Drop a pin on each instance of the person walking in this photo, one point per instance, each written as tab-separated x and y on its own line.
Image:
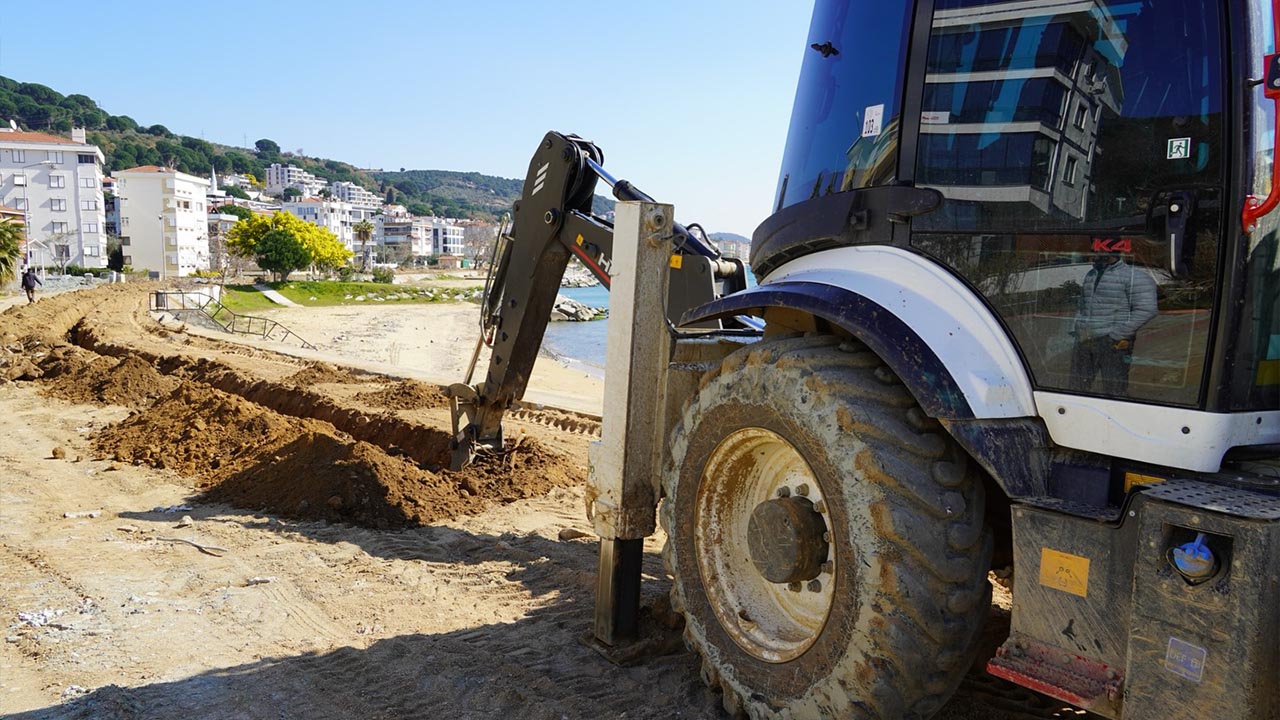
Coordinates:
29	283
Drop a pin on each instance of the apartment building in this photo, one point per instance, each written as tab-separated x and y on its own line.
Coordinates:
56	182
163	220
446	236
281	177
356	195
335	216
423	236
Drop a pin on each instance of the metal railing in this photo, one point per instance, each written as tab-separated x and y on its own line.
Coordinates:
179	301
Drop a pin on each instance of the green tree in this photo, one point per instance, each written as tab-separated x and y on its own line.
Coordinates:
267	147
240	212
281	252
115	254
159	131
324	250
291	193
10	250
234	191
364	232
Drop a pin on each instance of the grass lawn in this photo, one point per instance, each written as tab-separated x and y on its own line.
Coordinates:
317	293
245	300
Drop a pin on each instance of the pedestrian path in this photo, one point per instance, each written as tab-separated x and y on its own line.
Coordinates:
275	297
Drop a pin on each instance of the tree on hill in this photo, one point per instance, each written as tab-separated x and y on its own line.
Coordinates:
234	191
267	147
292	193
239	212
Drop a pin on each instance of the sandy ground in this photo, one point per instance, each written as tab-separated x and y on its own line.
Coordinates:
110	610
430	342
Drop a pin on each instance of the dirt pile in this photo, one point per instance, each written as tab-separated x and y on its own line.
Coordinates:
318	373
406	395
245	455
81	376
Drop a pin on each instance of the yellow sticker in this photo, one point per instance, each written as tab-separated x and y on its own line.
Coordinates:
677	261
1065	572
579	240
1132	479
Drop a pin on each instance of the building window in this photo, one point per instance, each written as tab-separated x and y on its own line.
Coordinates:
1069	174
91	250
124	222
58	205
88	182
86	159
59	227
127	259
88	204
1081	114
90	227
54	156
20	204
124	241
19	155
57	181
19	179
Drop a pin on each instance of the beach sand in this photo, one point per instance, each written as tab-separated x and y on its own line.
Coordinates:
429	342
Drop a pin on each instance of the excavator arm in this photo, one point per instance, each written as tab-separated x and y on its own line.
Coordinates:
552	222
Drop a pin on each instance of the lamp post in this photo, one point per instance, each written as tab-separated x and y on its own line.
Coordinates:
26	209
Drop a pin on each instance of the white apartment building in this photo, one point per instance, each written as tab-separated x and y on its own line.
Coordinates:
356	195
424	236
57	183
446	237
335	216
281	177
163	220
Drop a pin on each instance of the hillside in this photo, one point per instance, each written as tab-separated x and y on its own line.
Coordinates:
127	143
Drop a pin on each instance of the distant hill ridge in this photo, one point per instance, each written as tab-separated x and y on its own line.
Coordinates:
126	143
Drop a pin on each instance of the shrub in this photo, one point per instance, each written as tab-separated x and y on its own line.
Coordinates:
346	272
384	275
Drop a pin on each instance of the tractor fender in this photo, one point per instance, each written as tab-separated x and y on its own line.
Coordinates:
929	327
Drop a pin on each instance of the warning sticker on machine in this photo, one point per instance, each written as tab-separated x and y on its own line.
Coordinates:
1185	660
1064	571
873	121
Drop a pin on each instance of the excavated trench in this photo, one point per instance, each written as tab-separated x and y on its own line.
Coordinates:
282	446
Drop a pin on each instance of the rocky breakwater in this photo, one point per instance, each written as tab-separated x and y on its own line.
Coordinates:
566	309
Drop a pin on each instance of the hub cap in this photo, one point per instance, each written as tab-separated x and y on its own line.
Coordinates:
761	537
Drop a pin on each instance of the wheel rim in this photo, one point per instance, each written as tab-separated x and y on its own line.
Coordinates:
774	622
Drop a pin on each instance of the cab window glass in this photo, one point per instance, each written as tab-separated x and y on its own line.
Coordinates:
1079	149
844	124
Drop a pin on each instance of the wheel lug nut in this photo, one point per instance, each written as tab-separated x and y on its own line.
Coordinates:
820	506
793	587
784	491
826	537
802	490
815	586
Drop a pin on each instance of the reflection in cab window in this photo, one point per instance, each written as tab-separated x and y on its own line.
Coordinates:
1079	149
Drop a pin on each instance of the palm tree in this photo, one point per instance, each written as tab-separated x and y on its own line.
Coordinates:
10	250
363	231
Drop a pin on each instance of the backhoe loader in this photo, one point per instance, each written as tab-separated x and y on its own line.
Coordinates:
1018	304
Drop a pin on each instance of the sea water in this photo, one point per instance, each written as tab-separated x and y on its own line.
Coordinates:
581	344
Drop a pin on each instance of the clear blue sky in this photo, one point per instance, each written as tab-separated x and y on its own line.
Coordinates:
690	100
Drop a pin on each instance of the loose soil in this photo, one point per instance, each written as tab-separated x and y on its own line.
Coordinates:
344	571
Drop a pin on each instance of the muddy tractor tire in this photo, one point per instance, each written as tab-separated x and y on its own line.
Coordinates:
826	538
